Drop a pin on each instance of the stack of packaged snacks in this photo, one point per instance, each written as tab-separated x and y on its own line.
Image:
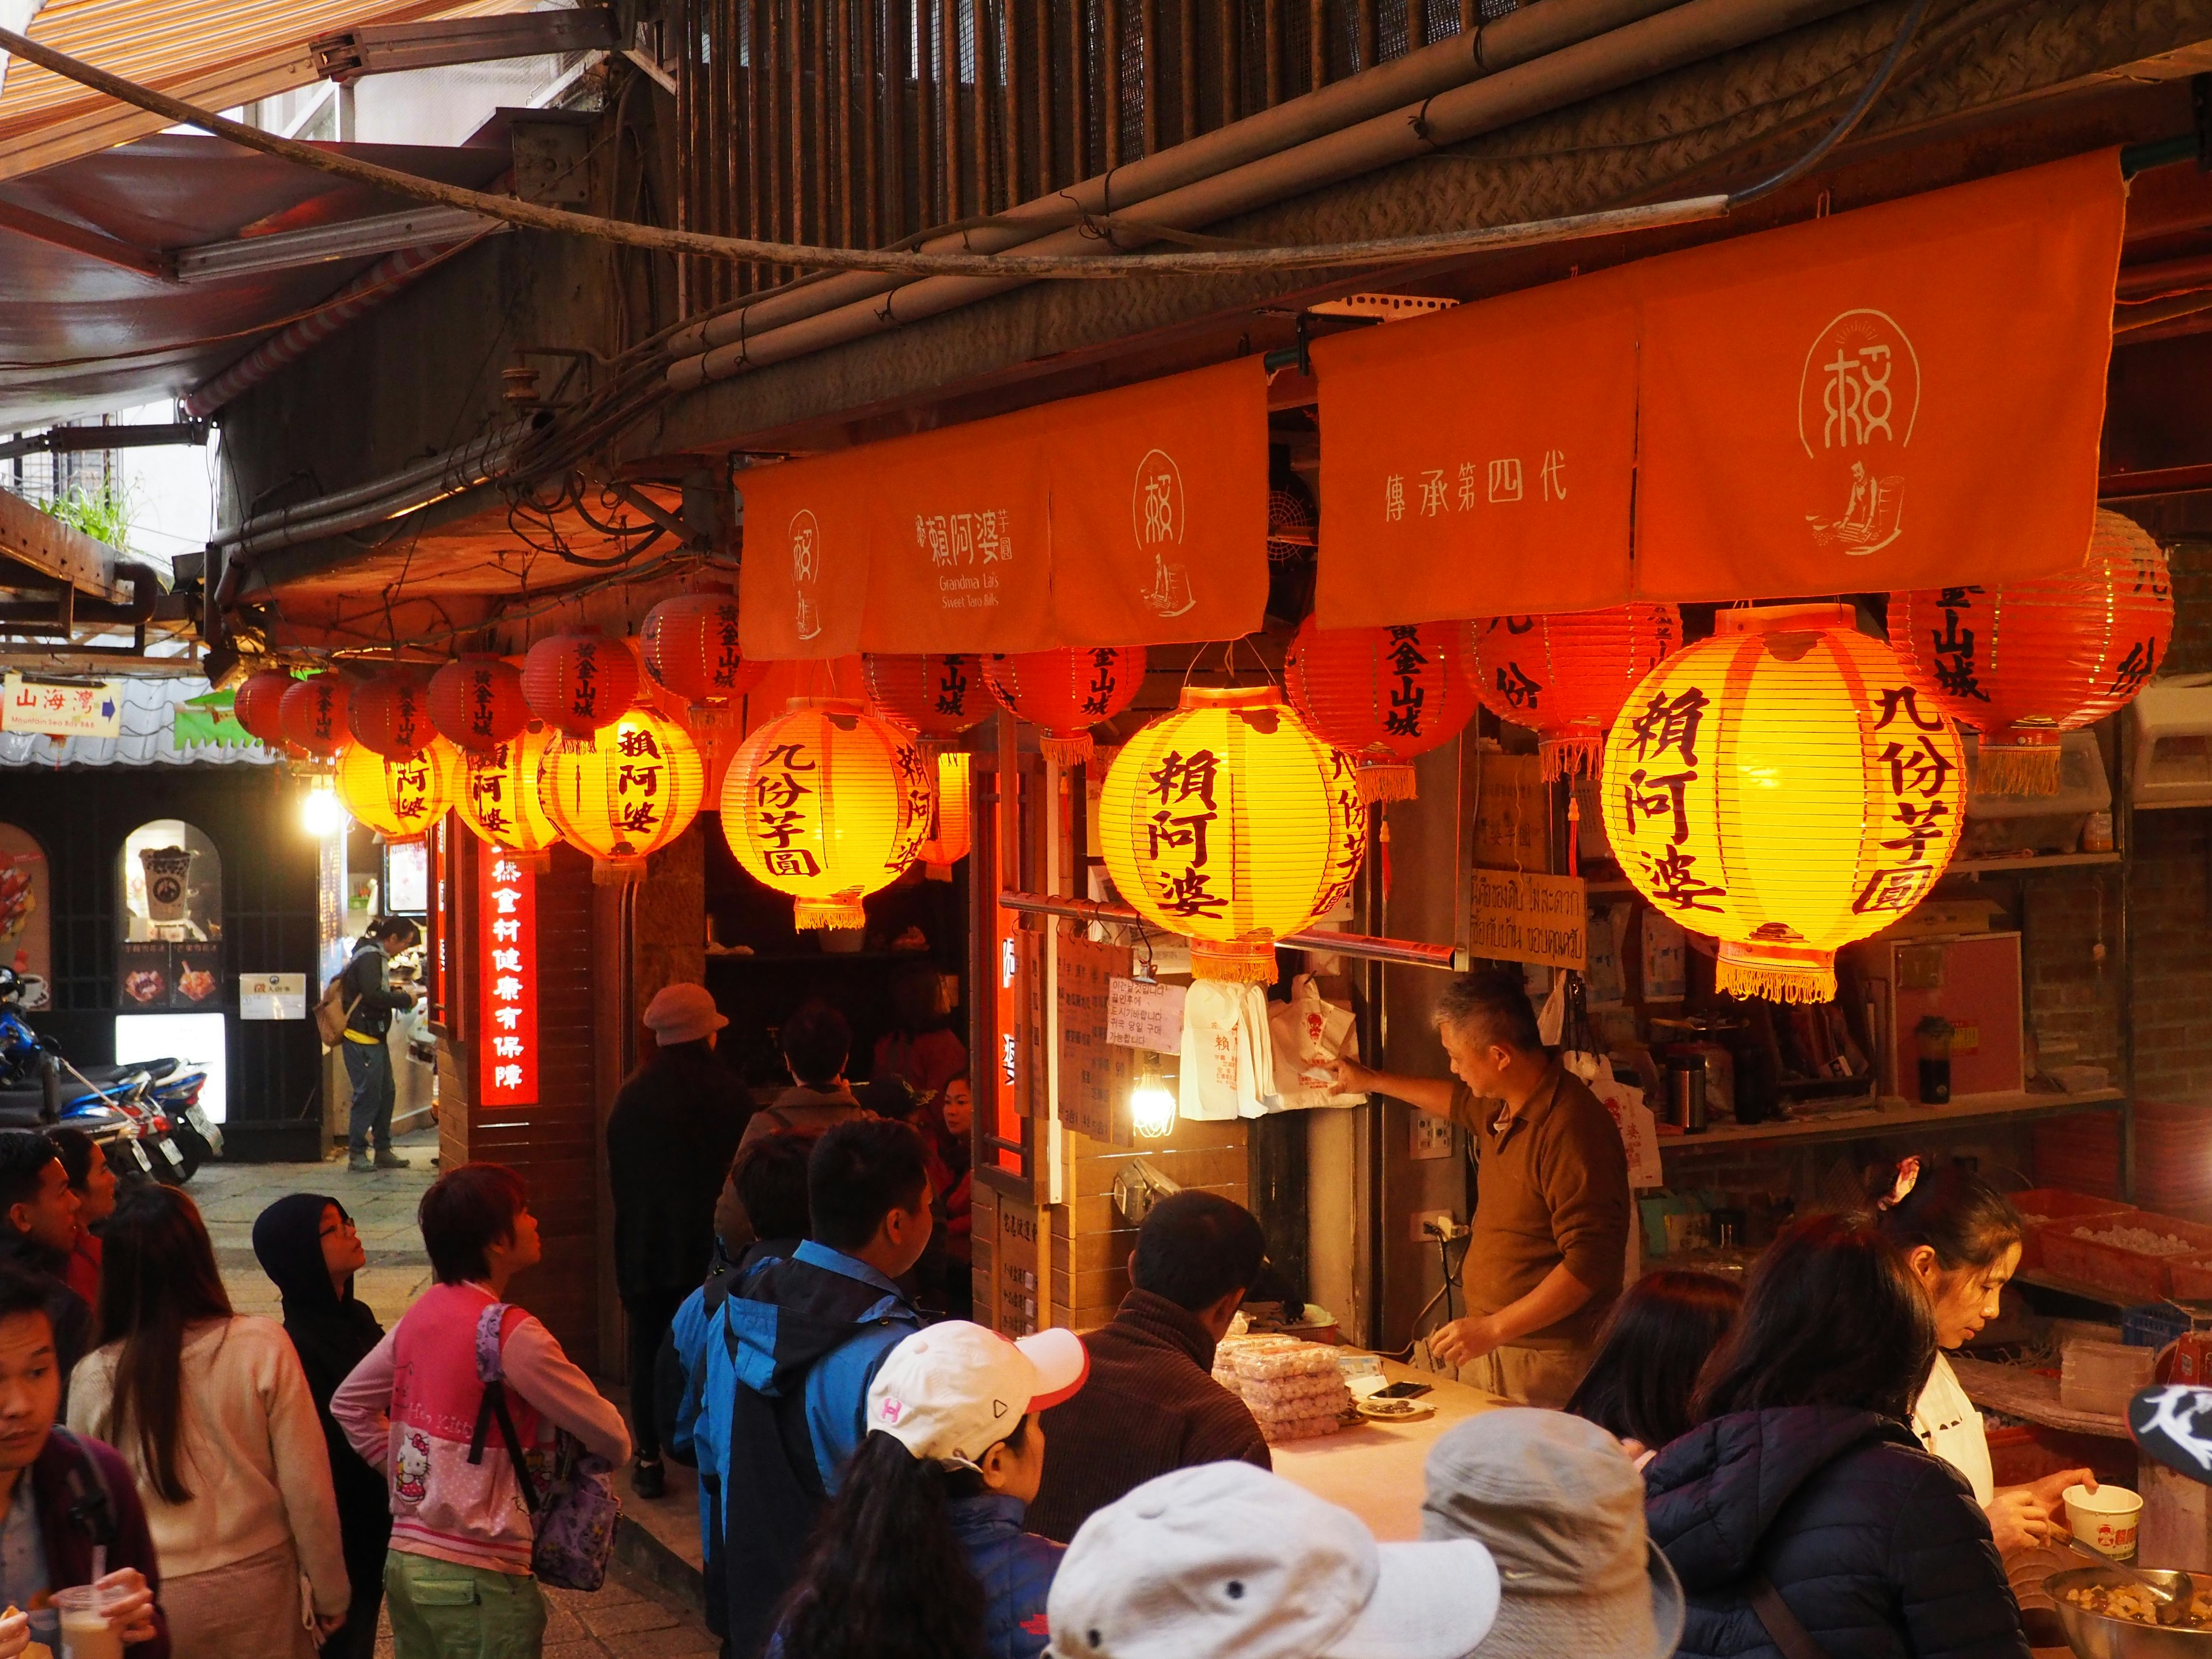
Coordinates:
1225	1352
1294	1393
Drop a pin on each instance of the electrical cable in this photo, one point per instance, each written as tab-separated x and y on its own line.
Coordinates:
1850	120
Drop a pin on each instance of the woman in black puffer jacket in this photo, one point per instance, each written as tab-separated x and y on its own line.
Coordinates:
1801	1473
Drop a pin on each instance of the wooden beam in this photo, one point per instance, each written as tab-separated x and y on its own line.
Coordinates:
57	551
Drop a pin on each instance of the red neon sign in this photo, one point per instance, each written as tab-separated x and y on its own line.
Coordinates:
507	980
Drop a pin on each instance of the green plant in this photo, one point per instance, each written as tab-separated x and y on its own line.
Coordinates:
103	513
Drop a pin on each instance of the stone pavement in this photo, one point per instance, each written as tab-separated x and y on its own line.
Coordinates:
630	1617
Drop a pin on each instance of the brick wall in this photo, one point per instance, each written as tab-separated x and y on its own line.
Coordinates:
2172	956
2071	996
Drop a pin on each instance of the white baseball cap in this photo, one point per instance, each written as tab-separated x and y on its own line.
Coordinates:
1226	1559
955	1390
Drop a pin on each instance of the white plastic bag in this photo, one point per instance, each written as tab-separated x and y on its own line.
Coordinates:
1228	1068
1310	1031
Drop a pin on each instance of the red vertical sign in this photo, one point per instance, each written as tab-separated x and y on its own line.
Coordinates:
506	980
440	921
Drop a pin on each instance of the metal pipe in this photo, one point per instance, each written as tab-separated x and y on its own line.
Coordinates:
1410	953
1518	38
1657	43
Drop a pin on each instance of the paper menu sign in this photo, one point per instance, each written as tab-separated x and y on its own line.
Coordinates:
1141	1015
272	996
1639	1131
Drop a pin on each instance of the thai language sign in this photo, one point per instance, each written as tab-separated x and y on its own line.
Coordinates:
1517	917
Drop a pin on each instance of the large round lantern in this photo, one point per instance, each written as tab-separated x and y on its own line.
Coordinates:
1067	691
1383	695
2027	661
258	706
1787	786
1230	823
938	695
390	714
634	788
690	648
579	684
827	803
399	797
953	826
477	703
498	794
1565	676
312	715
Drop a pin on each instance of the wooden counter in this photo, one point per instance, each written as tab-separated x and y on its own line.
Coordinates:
1375	1470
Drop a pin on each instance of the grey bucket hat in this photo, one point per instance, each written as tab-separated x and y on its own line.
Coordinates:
1560	1507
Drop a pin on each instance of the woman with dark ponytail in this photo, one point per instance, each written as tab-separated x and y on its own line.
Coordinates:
1961	1238
922	1554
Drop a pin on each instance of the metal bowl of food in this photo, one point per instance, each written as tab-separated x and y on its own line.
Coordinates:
2107	1615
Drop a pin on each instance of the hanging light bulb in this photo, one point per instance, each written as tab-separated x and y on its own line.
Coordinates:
1152	1107
321	813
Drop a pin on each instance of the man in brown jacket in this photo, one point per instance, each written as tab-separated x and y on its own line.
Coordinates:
1150	1405
1551	1217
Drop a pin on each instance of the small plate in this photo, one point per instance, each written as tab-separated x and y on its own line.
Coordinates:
1396	1411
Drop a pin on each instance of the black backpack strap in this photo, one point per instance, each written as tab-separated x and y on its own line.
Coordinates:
1782	1627
91	1506
494	1407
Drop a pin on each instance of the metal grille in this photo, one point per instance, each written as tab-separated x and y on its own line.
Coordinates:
867	123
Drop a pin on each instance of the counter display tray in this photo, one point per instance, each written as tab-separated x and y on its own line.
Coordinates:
2032	1396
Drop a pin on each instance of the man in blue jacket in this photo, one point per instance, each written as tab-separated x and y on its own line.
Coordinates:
695	1383
803	1337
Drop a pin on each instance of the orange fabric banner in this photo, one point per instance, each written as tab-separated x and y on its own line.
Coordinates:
1479	462
1159	510
1902	396
1134	517
803	582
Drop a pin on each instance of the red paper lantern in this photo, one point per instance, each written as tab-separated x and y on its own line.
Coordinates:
1566	677
476	703
390	715
938	695
580	684
1383	695
690	645
1067	691
952	827
312	715
2025	662
259	705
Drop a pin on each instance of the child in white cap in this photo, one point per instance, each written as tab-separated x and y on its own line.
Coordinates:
922	1550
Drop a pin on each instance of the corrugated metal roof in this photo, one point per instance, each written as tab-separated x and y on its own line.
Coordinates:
220	53
148	737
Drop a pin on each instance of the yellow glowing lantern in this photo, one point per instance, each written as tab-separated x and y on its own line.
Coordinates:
1231	823
828	803
625	792
1787	786
398	796
498	795
952	829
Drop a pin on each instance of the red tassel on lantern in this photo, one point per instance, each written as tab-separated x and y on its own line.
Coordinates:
312	713
476	703
2027	661
1067	691
580	684
938	695
390	715
1566	677
1382	695
258	706
689	645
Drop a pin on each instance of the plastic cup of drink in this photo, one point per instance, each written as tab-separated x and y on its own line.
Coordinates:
85	1632
2105	1519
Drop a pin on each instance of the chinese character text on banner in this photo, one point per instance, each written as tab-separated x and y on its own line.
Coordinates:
507	977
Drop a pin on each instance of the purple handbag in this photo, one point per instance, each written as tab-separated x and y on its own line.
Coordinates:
576	1512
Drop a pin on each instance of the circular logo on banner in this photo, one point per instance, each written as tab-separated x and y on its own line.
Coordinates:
1858	395
1157	515
805	570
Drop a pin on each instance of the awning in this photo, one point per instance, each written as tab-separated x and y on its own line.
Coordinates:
1136	517
218	54
1903	395
82	332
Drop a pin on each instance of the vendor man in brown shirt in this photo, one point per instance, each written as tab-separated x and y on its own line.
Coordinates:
1551	1215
